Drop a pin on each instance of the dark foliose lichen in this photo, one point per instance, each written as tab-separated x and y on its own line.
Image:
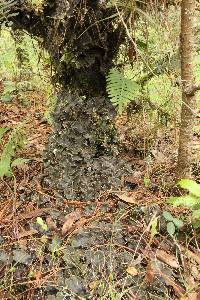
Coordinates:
81	159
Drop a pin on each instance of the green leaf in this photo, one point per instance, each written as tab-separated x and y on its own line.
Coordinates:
5	169
196	128
19	161
178	223
171	228
196	214
9	87
120	89
6	98
42	223
185	201
196	224
168	216
147	182
191	186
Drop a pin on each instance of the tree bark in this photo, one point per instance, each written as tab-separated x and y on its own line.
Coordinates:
188	90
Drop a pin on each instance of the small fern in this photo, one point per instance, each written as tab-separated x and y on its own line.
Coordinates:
121	90
16	141
191	200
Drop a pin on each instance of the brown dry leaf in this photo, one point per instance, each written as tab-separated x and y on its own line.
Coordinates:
195	272
191	254
80	223
94	284
179	290
168	259
132	296
127	198
191	296
132	270
190	282
149	274
36	213
192	287
136	178
51	224
70	219
27	233
22	244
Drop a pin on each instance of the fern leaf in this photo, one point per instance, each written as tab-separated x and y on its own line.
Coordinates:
5	169
121	90
16	141
19	162
186	201
191	186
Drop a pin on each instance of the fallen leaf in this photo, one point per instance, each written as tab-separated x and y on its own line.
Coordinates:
179	290
51	224
149	274
132	271
168	259
27	233
136	178
23	244
71	218
191	296
93	285
191	254
36	213
195	272
20	256
127	198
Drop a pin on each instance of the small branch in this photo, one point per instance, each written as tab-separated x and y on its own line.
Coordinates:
191	89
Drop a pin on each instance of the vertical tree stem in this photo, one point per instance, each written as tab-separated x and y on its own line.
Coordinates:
188	98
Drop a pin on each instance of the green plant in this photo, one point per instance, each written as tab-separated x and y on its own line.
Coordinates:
121	90
50	107
16	141
55	247
153	228
9	89
5	6
172	223
147	181
42	223
190	200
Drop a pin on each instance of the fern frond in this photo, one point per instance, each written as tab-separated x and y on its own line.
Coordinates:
121	90
17	141
188	201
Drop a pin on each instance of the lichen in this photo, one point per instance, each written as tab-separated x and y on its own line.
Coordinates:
81	159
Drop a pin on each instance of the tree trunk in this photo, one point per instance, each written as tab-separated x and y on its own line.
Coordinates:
81	159
188	90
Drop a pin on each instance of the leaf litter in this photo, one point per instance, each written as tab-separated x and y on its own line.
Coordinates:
87	247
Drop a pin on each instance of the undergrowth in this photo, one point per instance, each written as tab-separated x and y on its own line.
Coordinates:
16	141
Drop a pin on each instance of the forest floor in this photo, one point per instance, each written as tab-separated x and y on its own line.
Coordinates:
114	247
